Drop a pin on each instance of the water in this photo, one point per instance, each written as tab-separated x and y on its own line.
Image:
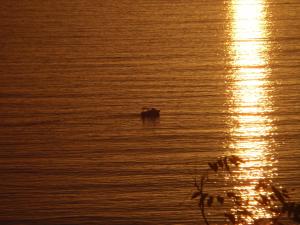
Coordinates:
75	75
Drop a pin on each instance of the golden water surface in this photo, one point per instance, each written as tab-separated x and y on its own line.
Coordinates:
75	74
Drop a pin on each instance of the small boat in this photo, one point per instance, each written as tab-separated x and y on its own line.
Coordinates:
151	113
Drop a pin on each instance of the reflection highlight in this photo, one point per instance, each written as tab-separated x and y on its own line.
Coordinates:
251	101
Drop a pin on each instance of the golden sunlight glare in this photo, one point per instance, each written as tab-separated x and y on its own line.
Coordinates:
250	99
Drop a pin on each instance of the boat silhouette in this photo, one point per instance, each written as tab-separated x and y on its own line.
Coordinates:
151	113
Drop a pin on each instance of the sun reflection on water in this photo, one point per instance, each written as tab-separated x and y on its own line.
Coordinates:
251	101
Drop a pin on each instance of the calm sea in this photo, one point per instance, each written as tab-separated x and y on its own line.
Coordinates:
74	76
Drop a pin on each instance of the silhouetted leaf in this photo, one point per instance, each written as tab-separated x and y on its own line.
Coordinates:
220	163
264	199
246	213
258	221
296	217
289	208
276	222
231	194
210	201
213	166
235	160
258	200
220	199
231	217
278	194
196	194
285	195
276	210
238	202
261	184
273	197
226	164
290	212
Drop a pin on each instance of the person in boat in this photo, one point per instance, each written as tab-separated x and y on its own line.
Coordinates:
150	113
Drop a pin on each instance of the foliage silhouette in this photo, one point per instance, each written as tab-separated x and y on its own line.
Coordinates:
275	201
